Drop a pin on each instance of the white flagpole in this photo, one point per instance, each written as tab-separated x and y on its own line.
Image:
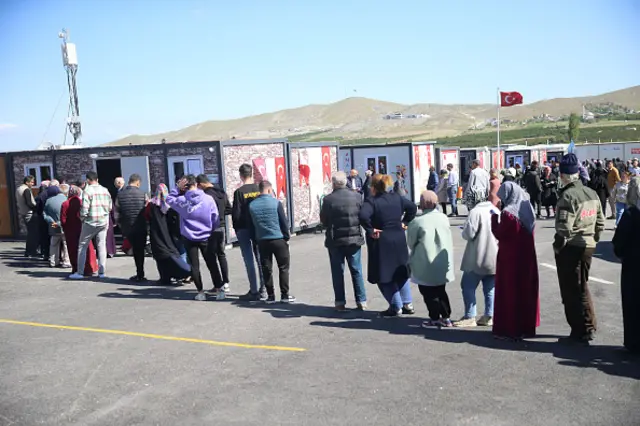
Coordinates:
498	105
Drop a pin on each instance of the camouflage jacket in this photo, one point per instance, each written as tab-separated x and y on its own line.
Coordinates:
579	217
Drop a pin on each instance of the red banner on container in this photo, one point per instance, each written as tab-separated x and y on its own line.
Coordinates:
326	164
281	181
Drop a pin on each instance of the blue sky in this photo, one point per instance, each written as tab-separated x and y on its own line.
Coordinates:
151	66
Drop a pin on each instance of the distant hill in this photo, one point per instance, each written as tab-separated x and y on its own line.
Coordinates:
363	119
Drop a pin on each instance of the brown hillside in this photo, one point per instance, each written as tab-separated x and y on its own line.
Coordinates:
355	118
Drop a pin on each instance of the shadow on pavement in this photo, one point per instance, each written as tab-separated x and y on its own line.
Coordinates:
612	360
604	251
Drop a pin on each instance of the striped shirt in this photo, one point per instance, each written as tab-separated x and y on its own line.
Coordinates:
96	205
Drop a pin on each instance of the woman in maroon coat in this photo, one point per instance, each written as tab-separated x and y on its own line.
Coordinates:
517	305
72	226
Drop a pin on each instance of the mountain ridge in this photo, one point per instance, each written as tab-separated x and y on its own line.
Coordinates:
358	118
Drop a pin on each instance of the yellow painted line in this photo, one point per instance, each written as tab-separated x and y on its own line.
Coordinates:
155	336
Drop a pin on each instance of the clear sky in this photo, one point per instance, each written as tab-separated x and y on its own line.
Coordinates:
150	66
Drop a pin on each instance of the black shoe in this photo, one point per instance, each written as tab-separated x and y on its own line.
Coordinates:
287	298
574	341
408	309
271	299
250	297
138	279
390	313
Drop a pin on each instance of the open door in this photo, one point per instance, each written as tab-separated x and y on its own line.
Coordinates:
5	209
139	165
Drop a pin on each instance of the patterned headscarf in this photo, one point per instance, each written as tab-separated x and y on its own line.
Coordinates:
160	199
45	184
516	202
75	191
54	182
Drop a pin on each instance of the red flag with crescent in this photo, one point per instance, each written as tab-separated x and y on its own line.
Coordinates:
429	153
416	156
303	169
326	164
508	99
280	178
259	170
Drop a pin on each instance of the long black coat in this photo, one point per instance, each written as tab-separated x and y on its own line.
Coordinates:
626	247
162	243
387	255
549	190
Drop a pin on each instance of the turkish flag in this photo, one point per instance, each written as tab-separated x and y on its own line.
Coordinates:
326	164
508	99
259	170
416	156
281	181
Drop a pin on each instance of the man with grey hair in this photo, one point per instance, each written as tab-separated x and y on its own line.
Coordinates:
477	189
579	224
119	183
344	240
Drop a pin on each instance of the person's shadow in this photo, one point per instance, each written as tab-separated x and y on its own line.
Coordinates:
604	251
612	360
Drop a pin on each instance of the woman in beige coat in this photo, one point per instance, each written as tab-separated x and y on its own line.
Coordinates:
441	190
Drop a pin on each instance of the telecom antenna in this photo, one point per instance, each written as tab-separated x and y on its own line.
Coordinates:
70	62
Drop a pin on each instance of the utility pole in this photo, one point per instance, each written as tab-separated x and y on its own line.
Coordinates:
70	62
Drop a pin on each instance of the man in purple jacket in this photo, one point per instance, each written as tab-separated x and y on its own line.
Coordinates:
198	218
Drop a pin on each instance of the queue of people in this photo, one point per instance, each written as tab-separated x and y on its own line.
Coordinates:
404	247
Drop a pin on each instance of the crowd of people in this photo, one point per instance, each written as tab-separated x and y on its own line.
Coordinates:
72	225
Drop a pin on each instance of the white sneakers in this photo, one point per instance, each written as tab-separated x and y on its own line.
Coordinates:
76	276
201	297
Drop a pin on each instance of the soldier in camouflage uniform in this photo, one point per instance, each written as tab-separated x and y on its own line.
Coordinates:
579	224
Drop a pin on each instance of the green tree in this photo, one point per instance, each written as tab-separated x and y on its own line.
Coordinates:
574	127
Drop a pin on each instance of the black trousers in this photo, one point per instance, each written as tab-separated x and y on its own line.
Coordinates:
138	244
536	202
573	265
194	248
216	246
44	237
437	301
33	234
279	249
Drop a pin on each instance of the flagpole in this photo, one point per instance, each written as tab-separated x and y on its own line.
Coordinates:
498	106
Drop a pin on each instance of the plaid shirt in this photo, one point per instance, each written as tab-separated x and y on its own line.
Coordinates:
96	205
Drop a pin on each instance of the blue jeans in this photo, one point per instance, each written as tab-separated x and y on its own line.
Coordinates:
452	192
469	284
620	207
396	294
353	255
250	255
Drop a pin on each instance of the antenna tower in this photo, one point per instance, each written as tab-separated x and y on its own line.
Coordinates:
70	62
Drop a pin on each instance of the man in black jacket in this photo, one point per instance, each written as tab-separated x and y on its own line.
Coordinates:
344	239
130	204
533	186
217	240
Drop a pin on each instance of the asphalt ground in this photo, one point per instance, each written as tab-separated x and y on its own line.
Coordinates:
147	355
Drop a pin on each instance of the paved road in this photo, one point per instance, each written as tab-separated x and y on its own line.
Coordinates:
355	369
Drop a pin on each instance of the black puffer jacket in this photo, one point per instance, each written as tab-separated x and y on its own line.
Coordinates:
222	202
130	203
340	217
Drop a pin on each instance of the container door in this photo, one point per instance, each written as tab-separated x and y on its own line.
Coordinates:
139	165
5	210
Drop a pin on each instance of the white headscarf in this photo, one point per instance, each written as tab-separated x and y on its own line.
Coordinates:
516	202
